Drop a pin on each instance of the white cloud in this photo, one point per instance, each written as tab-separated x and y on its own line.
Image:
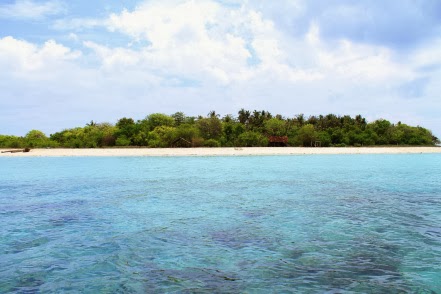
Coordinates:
194	56
204	40
115	57
24	58
27	9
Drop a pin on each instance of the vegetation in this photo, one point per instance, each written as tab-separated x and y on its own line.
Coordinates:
248	129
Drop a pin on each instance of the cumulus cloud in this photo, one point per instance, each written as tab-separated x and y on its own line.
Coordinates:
206	40
27	9
194	56
202	39
22	57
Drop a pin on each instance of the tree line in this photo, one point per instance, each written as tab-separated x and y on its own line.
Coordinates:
247	129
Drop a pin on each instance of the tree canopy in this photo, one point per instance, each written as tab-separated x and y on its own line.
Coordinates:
247	129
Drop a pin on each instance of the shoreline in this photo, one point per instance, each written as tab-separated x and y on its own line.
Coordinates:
227	151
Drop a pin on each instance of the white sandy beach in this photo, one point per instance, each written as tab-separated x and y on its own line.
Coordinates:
219	151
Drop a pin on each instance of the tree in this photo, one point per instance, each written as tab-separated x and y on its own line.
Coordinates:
35	135
300	119
381	128
37	139
257	119
307	135
122	141
228	118
126	130
252	139
179	118
249	129
312	120
107	132
396	134
324	138
210	128
12	142
275	127
244	116
213	114
212	143
190	134
360	121
159	119
162	136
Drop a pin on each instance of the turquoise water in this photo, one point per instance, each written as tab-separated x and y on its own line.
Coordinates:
276	224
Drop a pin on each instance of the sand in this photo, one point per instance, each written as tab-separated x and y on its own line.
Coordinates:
219	151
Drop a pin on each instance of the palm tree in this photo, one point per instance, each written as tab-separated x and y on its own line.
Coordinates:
91	124
244	116
300	118
212	114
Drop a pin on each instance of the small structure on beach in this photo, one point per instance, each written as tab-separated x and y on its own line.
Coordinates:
181	142
278	141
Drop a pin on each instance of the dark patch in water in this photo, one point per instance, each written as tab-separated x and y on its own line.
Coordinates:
64	220
373	264
254	213
29	282
295	254
194	280
20	246
238	238
69	204
370	266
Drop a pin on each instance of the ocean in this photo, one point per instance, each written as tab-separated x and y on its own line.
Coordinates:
251	224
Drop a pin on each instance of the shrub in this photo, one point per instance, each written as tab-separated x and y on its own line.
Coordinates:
252	139
197	142
122	141
212	143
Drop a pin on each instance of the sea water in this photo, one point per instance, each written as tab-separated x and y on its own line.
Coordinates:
274	224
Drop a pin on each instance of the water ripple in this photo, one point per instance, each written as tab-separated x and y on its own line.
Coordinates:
301	224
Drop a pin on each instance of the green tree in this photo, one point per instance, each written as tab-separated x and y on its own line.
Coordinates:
162	136
300	119
179	118
252	139
37	139
212	143
275	127
307	135
396	134
12	142
127	129
249	129
210	128
122	141
189	136
244	116
257	120
324	138
381	128
159	119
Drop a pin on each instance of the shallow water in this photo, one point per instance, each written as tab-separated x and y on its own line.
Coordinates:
308	224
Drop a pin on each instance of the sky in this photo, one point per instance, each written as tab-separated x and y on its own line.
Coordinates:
65	63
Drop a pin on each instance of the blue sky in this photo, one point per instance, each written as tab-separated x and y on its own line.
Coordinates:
64	63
